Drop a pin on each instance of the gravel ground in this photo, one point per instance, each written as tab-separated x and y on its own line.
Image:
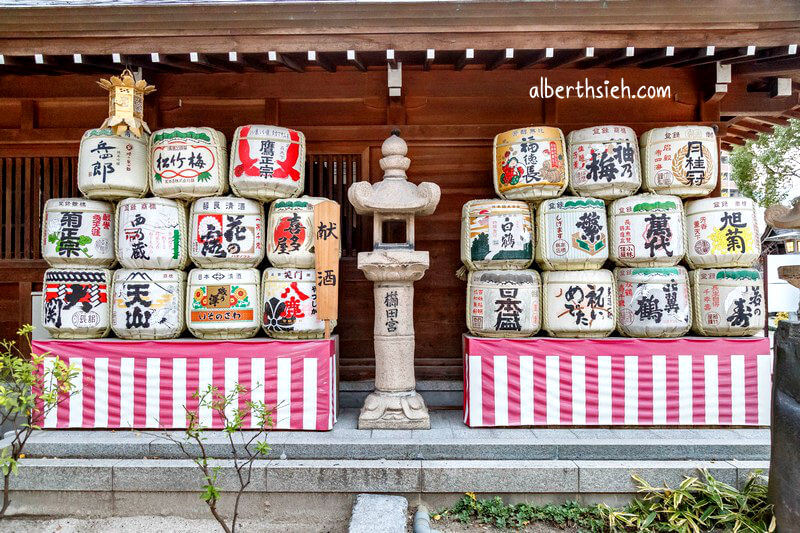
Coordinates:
454	526
150	524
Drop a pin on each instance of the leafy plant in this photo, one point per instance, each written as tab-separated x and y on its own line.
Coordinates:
29	391
765	167
696	506
245	449
495	512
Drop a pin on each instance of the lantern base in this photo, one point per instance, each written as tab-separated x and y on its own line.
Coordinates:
394	410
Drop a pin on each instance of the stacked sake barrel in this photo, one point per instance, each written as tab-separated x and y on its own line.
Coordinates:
607	220
190	220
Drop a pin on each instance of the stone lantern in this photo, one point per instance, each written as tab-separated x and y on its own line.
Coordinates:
394	267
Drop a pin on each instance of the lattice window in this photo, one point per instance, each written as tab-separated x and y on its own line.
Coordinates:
330	176
27	183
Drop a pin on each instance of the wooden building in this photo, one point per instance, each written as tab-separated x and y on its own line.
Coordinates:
448	75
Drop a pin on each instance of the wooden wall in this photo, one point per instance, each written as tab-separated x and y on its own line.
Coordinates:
448	118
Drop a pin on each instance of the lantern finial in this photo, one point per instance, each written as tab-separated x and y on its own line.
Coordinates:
126	103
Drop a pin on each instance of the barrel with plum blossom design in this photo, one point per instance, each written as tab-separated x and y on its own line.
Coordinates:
187	163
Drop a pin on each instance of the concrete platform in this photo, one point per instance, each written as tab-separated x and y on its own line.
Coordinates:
115	473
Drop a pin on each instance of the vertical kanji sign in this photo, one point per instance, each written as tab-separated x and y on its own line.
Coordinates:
326	253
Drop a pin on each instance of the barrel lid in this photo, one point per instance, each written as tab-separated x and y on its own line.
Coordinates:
504	277
601	134
70	204
707	204
142	275
210	276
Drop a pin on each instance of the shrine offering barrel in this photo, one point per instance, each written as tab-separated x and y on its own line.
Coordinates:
503	303
573	234
647	230
78	232
722	232
530	163
653	301
148	304
188	163
75	302
223	303
496	234
604	162
728	301
226	232
289	304
680	160
291	233
111	166
578	303
152	233
267	162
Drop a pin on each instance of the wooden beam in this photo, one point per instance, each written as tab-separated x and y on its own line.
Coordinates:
612	59
468	55
757	104
676	59
353	58
533	58
280	59
747	123
741	132
430	56
767	68
732	53
256	61
390	59
202	61
776	120
322	61
570	58
502	58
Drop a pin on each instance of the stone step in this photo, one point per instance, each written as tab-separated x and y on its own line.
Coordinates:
447	439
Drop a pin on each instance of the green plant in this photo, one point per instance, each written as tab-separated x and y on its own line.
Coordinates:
499	514
29	391
696	506
765	167
249	447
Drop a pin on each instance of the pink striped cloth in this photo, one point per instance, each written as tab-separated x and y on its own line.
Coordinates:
617	382
146	384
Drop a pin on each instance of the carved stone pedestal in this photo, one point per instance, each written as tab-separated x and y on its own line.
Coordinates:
394	404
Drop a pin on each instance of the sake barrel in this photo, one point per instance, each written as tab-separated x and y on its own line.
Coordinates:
722	232
653	301
529	163
78	232
291	233
573	234
75	302
267	162
152	233
223	303
578	303
647	230
289	304
680	160
496	234
111	167
728	301
188	163
604	162
148	304
503	303
226	231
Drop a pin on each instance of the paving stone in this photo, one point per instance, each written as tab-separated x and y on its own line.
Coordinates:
64	475
181	475
499	476
615	476
391	512
333	476
527	450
